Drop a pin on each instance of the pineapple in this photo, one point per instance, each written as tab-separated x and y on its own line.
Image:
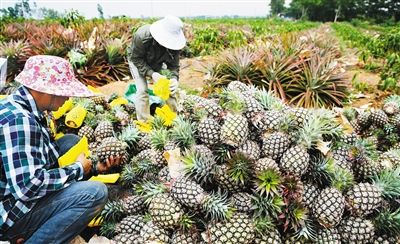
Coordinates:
151	233
364	120
296	159
329	205
328	236
185	237
387	226
310	193
210	109
264	164
101	100
233	178
134	204
122	116
131	224
104	129
235	128
238	229
356	230
126	238
250	149
364	198
208	131
300	116
391	105
379	118
112	146
275	144
253	107
242	201
164	175
144	142
191	195
165	211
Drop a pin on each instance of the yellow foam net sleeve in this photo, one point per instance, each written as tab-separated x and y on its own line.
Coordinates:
2	96
67	106
75	117
118	101
70	157
161	88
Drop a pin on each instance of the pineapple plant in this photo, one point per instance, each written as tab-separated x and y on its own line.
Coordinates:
199	165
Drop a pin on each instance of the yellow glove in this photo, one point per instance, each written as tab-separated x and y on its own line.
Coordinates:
75	117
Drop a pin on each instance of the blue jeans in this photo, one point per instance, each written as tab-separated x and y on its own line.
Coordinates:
61	216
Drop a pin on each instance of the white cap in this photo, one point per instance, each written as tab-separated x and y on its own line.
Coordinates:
168	32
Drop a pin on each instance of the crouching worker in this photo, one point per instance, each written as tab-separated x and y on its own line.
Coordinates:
40	202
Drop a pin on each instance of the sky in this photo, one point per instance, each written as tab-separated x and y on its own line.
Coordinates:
156	8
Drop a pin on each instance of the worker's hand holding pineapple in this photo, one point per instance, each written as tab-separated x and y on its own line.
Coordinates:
101	167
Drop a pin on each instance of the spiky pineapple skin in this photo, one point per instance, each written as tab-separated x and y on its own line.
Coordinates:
310	193
270	237
111	146
379	118
235	130
185	237
134	204
103	130
187	192
151	233
238	229
126	238
250	149
242	201
275	145
328	236
329	207
88	132
356	230
208	131
363	198
131	224
165	211
295	160
264	164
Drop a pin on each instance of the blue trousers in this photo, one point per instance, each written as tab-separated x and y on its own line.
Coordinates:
61	216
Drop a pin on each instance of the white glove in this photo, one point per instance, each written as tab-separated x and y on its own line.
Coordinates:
156	76
173	86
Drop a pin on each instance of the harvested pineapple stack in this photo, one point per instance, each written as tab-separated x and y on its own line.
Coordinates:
251	170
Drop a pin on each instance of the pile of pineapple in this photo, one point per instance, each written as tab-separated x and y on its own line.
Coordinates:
250	169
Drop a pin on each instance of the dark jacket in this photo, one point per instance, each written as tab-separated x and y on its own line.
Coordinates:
147	55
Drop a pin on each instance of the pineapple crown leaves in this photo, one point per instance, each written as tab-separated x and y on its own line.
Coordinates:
364	148
108	229
268	100
91	120
217	207
239	168
268	182
113	211
341	179
182	133
393	99
292	188
232	101
350	113
388	222
320	168
159	138
186	222
293	216
319	125
149	190
86	103
264	224
270	205
388	182
199	166
129	135
307	231
157	123
132	172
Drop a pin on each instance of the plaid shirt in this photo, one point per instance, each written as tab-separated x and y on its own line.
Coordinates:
28	163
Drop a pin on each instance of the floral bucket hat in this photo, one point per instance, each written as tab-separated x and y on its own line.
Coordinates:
52	75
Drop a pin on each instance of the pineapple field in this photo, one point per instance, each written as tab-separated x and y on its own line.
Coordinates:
267	145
